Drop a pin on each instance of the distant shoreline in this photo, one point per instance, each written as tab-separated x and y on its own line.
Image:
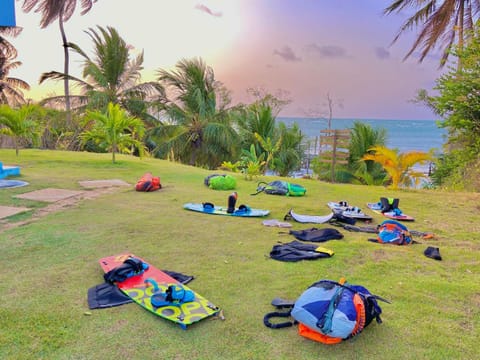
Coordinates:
404	135
351	119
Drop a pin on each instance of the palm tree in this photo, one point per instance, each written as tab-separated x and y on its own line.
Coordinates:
10	88
19	124
363	138
257	118
62	11
199	129
114	130
447	21
251	163
256	123
398	166
270	147
6	48
290	154
111	76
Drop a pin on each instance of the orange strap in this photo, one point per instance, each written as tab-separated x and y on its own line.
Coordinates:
361	317
316	336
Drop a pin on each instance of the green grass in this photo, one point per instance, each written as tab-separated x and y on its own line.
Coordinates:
49	264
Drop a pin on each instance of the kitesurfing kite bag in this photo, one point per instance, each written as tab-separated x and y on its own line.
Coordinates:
148	183
279	187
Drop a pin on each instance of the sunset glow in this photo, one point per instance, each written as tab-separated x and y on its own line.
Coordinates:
307	49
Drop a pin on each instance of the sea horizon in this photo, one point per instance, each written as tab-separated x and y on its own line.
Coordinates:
322	118
402	134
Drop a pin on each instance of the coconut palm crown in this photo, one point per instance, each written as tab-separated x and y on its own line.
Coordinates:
446	22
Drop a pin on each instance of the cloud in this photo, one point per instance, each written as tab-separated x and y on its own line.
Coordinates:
287	54
328	51
207	10
382	53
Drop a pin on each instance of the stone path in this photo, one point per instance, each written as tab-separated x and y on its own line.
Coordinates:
58	199
6	211
50	195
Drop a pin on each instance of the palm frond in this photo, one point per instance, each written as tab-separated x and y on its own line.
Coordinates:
51	10
440	23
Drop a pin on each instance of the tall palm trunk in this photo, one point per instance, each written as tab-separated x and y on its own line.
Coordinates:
461	31
195	150
114	150
65	68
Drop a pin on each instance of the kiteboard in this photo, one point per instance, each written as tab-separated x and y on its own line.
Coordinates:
242	211
348	211
315	219
140	291
377	208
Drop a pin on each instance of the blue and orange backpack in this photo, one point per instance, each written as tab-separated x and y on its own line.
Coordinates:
393	232
330	312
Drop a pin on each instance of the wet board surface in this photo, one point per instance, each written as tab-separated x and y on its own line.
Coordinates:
391	215
218	210
140	292
345	211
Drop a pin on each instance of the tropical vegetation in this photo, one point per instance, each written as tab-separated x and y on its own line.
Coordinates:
282	147
61	11
251	164
188	117
363	138
110	76
354	169
257	118
448	22
20	124
114	131
291	152
399	166
199	130
11	89
456	101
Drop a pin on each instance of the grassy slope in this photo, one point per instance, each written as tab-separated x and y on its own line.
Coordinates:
47	267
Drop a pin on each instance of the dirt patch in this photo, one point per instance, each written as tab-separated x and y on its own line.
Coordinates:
60	200
380	255
95	184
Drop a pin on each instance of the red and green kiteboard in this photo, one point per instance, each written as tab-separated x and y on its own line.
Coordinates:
141	292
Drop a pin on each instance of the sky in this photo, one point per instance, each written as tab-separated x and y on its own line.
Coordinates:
303	50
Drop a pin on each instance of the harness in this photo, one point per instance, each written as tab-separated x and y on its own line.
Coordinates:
130	267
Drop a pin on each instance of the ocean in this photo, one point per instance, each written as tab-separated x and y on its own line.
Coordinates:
404	135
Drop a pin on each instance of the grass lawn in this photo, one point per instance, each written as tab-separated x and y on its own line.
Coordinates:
49	264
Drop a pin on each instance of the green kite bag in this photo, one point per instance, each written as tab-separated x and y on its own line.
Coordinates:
220	182
279	187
